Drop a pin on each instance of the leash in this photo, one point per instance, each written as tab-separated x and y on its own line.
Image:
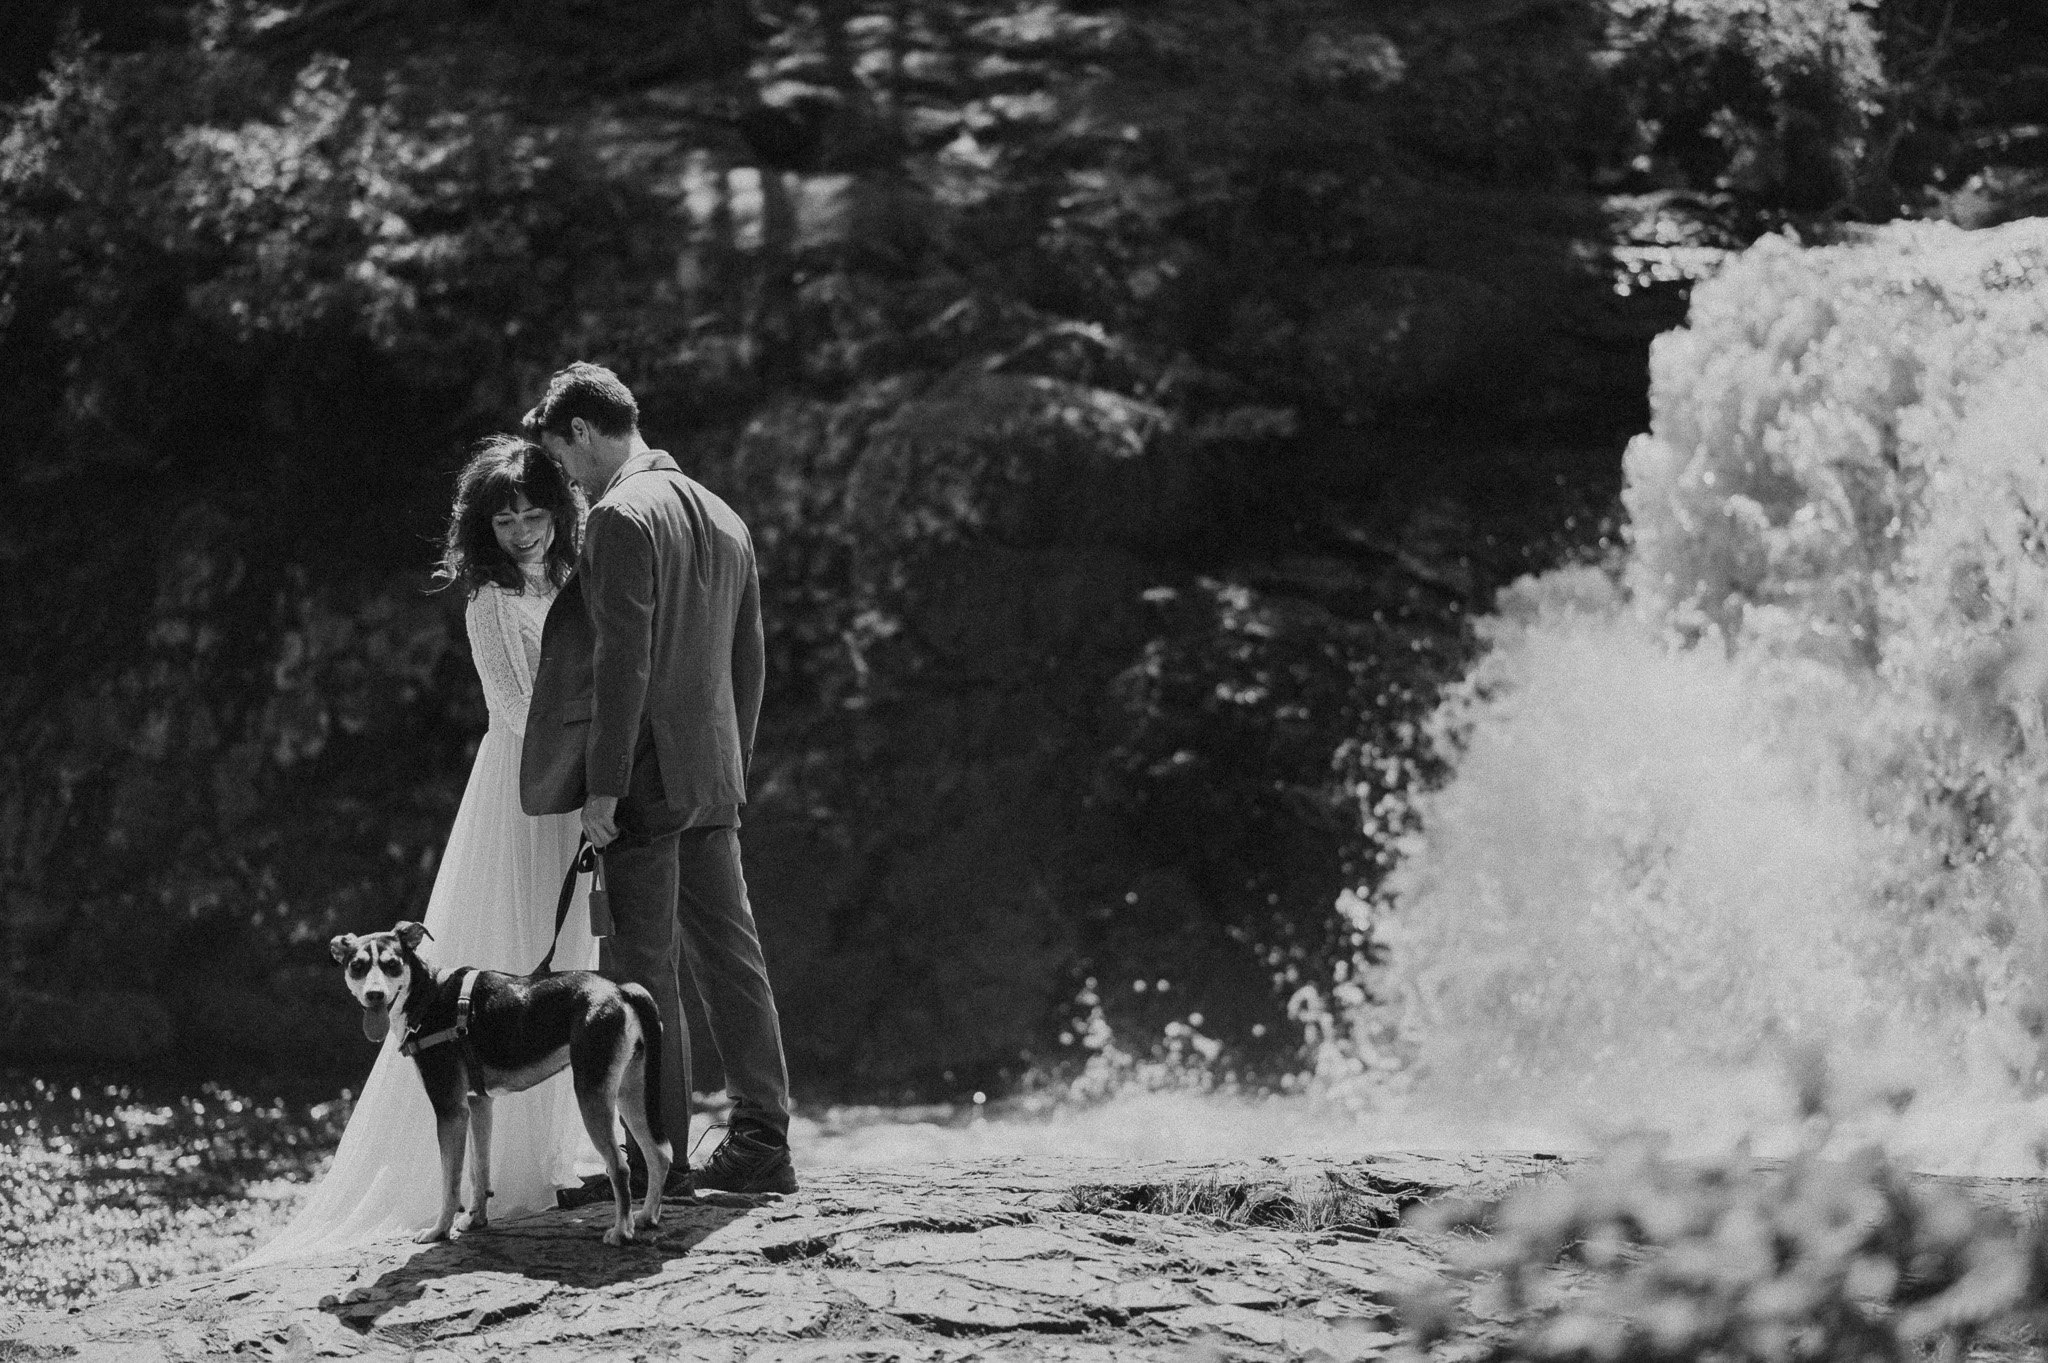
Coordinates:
586	859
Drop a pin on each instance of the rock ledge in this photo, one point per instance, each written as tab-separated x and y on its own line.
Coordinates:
993	1259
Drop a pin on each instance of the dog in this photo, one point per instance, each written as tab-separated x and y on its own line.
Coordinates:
478	1032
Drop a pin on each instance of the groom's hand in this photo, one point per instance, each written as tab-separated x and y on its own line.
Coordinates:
600	824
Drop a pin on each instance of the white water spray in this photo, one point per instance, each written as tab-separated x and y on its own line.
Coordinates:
1768	795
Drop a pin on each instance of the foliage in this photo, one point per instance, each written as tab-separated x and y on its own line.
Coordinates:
192	216
1773	98
208	274
1256	723
1651	1258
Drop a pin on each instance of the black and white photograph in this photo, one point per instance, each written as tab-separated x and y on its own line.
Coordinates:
1024	681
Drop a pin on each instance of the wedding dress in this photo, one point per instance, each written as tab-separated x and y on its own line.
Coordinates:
493	907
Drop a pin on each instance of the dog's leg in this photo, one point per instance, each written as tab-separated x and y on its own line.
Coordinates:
656	1154
600	1119
451	1127
479	1162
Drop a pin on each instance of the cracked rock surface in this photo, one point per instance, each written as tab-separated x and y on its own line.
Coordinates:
994	1259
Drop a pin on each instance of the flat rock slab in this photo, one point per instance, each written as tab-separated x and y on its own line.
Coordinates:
993	1260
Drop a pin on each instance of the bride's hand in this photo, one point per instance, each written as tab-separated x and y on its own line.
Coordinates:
599	822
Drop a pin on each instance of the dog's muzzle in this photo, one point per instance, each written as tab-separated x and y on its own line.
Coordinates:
376	1022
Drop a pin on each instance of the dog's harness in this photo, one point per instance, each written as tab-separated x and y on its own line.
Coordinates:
414	1043
586	859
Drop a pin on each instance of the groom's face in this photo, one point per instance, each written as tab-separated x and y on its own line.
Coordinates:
574	455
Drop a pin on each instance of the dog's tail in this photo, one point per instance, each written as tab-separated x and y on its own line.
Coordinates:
650	1028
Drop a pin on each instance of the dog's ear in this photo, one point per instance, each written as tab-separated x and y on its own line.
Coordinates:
410	934
342	947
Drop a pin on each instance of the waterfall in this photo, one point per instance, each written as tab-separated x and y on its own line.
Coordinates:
1762	798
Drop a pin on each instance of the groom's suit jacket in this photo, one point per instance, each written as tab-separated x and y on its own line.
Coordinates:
655	643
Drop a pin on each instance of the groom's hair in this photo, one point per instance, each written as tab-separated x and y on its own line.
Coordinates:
587	390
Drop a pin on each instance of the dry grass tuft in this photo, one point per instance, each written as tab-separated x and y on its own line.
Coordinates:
1328	1202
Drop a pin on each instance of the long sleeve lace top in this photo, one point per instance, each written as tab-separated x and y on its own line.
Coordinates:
504	639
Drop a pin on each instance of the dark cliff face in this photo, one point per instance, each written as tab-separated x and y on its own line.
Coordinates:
1129	402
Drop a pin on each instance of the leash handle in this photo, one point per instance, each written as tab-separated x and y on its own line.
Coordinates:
585	860
600	901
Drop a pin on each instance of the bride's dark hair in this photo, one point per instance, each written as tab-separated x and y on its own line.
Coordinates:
501	469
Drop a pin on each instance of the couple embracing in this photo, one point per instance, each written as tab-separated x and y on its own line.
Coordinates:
621	657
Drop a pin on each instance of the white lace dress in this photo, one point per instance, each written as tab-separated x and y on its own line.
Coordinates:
493	907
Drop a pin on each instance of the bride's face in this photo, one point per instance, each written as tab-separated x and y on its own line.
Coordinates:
524	531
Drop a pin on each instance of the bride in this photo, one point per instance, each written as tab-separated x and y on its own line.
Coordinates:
511	544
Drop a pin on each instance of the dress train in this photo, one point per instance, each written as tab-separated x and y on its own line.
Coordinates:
492	907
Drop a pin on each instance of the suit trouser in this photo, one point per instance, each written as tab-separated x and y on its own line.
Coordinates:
679	902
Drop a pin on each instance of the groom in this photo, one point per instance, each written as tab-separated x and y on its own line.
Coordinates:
643	715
